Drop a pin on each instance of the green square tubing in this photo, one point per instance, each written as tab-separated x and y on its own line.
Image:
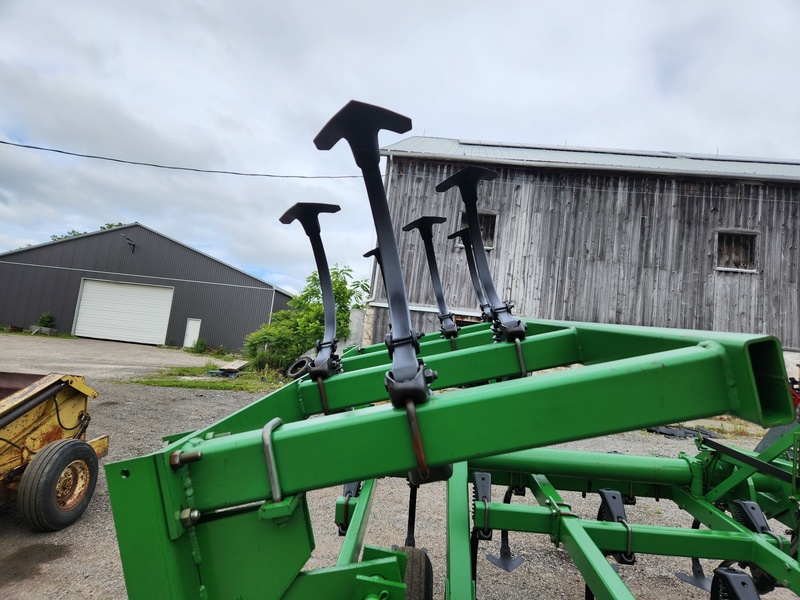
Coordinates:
458	583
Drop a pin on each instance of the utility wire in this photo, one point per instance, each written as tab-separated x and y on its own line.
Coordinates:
157	166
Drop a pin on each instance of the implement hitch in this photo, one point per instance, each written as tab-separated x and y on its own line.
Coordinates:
233	522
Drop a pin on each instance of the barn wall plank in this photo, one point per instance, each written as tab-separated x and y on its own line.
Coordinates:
611	248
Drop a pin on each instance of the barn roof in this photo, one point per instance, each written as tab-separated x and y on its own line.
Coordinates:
128	228
594	159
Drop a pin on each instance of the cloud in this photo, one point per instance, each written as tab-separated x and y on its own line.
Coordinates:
201	85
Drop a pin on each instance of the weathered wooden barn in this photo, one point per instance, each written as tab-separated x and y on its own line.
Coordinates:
642	238
133	284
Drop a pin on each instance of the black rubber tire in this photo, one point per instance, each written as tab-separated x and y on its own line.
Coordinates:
419	574
298	368
57	485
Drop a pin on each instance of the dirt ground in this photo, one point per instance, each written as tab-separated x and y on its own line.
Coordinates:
83	560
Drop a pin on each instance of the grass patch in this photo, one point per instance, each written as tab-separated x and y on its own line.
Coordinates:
67	335
196	378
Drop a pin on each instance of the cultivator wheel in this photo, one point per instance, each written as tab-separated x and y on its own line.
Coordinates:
419	574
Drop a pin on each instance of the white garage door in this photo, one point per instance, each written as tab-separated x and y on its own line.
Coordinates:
126	312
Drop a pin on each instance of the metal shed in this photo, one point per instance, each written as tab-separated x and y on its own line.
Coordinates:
133	284
609	236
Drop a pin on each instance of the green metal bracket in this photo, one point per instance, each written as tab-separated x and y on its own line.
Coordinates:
357	524
357	580
280	511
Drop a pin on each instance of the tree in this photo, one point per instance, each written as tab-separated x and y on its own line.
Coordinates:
69	234
292	332
74	233
110	226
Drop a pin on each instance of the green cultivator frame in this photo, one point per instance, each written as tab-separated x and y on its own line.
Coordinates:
221	512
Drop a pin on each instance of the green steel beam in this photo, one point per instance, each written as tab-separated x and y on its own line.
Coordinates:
340	582
567	528
759	357
573	463
458	425
366	386
459	584
430	345
744	471
740	546
763	548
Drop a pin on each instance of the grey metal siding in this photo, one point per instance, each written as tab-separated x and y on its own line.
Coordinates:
611	247
43	278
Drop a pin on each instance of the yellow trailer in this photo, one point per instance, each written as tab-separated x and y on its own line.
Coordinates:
45	460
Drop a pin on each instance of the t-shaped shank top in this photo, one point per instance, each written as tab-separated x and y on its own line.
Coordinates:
376	252
467	181
462	234
425	225
359	124
307	213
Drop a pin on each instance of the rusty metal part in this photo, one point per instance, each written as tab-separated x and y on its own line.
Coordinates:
523	370
100	445
416	439
72	485
322	397
37	410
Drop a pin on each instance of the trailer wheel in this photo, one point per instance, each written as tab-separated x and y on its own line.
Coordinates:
57	485
419	574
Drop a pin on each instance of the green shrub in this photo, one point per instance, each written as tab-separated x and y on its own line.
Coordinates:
46	319
293	332
200	346
259	361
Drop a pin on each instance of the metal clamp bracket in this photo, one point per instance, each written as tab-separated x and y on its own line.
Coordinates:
612	508
350	490
482	492
269	455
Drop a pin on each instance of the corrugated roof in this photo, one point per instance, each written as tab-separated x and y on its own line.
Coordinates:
553	157
128	227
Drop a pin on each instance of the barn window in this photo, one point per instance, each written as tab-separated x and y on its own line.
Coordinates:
488	223
736	251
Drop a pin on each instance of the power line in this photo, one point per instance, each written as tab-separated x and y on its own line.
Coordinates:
158	166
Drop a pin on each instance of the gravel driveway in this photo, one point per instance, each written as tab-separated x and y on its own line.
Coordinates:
94	359
83	561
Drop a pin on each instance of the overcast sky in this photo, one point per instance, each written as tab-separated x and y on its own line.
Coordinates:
246	86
